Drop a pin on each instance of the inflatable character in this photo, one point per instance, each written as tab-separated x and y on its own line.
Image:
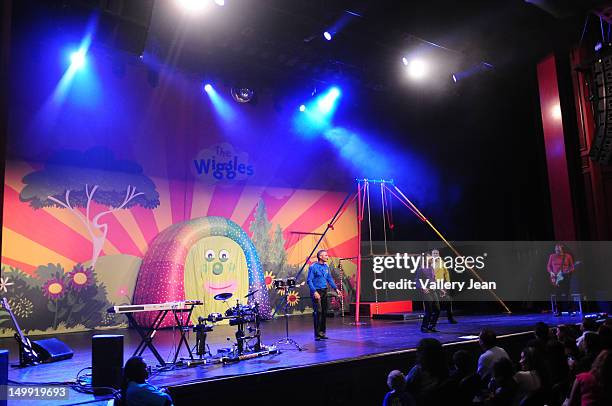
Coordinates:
196	260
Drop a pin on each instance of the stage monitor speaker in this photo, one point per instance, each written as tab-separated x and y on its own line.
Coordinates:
52	350
4	364
601	148
106	360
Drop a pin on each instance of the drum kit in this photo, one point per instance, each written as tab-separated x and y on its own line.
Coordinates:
245	317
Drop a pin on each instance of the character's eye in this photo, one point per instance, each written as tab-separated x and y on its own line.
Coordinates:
223	255
210	255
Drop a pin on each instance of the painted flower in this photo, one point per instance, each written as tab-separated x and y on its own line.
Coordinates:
22	306
4	284
54	288
80	278
269	279
293	298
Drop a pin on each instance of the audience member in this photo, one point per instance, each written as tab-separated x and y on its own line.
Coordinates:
591	347
136	391
605	336
503	387
532	376
594	388
542	336
588	326
430	371
492	353
558	371
398	395
463	383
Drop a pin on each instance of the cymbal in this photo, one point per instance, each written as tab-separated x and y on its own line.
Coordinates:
251	293
223	296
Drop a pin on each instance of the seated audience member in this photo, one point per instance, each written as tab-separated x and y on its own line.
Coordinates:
567	331
532	377
571	349
542	336
605	337
503	387
429	372
558	371
588	326
136	391
593	388
562	332
492	353
397	396
463	383
590	348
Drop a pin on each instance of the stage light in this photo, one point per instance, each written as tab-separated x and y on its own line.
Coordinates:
220	3
417	69
327	35
303	108
193	5
478	68
555	112
327	102
222	107
78	59
405	61
242	94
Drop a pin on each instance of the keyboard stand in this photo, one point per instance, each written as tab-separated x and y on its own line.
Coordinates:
147	334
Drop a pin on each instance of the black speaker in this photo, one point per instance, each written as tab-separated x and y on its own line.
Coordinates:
52	349
4	363
601	148
106	360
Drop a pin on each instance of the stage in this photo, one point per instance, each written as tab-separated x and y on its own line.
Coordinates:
378	346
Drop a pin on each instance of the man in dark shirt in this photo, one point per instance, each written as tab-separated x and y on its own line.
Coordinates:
431	301
318	278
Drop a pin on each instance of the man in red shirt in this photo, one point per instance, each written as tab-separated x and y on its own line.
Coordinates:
560	267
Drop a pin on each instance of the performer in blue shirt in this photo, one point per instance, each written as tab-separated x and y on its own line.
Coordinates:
318	278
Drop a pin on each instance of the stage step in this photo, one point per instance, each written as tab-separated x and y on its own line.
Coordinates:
398	316
371	308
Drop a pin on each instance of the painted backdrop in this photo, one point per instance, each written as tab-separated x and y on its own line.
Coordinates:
112	175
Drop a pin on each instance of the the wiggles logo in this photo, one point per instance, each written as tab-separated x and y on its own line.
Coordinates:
220	162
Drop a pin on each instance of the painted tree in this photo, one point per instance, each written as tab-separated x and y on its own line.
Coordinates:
260	229
278	255
73	180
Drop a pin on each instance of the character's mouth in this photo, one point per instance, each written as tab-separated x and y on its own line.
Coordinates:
217	287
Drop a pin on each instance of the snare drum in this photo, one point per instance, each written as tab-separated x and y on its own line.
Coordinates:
214	317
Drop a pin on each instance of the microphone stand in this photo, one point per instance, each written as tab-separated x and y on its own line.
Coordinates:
287	340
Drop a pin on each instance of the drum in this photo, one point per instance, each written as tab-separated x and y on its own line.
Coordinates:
214	317
231	312
247	309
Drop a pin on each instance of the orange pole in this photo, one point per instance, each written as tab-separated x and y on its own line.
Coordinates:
358	282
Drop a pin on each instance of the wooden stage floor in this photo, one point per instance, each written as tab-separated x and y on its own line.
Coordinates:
346	341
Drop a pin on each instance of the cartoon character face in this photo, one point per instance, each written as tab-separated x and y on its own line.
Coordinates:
217	262
215	265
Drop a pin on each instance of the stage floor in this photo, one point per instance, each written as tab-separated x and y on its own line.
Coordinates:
346	341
